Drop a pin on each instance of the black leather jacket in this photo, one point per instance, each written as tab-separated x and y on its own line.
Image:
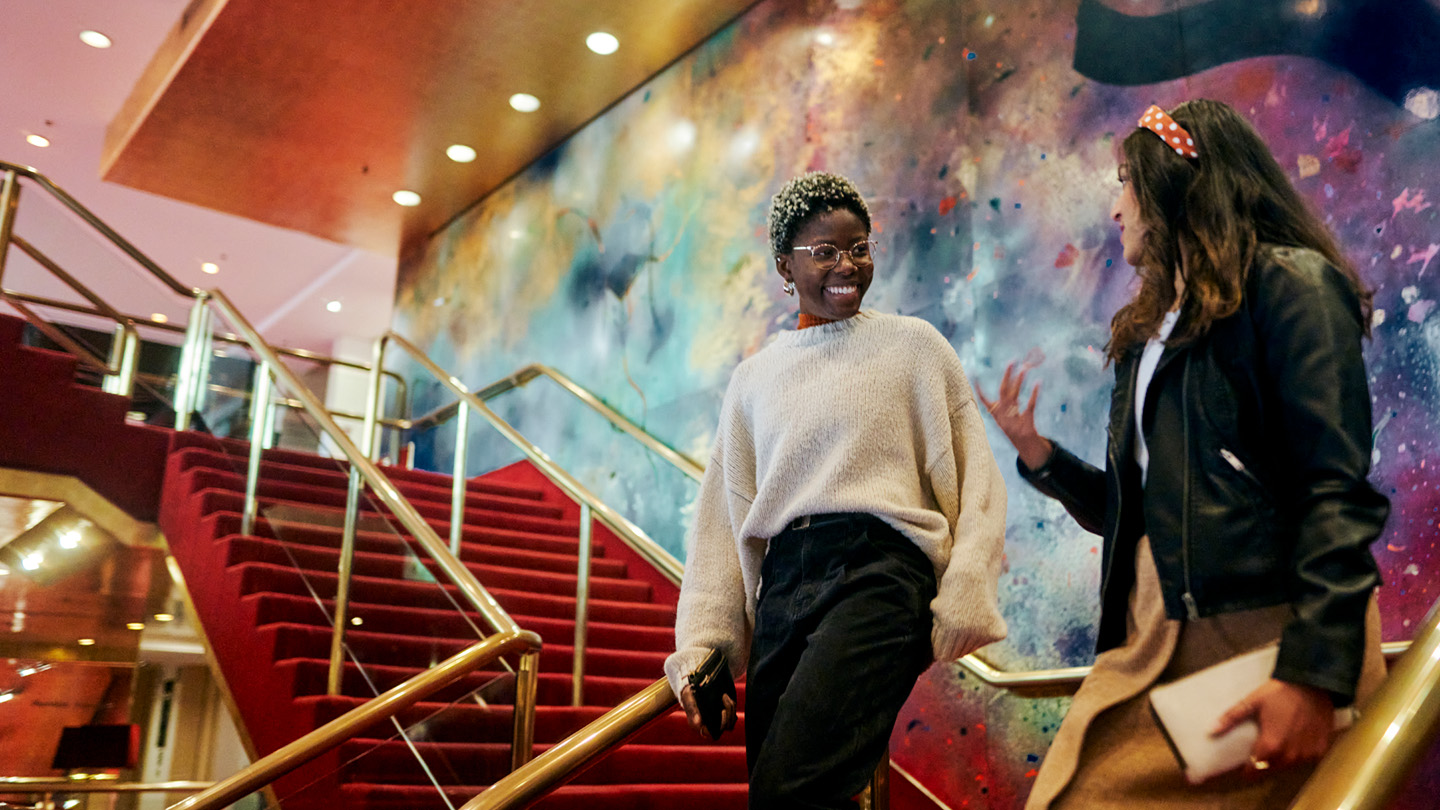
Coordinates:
1260	438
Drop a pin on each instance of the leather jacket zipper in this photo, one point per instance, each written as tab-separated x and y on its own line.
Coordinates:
1112	452
1239	467
1191	609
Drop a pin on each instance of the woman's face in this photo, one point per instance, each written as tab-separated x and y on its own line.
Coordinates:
1126	213
834	293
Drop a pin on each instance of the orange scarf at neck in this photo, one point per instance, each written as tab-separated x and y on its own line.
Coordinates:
807	320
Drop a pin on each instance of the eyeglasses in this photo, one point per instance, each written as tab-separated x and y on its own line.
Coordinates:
862	254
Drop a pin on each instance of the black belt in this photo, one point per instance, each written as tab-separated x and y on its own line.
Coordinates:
813	521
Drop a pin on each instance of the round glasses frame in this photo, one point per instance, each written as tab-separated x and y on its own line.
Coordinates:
826	256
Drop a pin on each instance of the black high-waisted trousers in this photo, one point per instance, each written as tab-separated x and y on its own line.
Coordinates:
842	632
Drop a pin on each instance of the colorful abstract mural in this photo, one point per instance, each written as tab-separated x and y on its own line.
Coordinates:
633	258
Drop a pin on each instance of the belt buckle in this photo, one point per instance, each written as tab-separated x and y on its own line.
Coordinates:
802	522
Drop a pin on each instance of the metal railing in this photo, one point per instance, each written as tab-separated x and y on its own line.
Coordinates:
591	507
47	788
353	722
190	387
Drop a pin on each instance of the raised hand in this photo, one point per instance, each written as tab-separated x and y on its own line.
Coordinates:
1016	423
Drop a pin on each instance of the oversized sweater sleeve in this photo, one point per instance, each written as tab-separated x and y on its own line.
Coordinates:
971	493
711	611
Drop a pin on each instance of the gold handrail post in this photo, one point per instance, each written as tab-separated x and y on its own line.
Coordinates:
1369	763
335	680
124	358
457	481
368	444
190	379
387	705
527	682
582	610
9	201
259	419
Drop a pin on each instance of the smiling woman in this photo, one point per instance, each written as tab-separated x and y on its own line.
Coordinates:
829	561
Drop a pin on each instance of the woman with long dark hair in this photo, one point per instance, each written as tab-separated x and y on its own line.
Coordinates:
1234	503
850	524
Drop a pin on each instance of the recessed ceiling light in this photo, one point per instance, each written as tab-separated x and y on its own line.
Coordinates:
409	199
95	39
825	38
86	642
159	317
602	43
333	306
164	617
209	267
357	621
37	140
135	626
524	102
460	153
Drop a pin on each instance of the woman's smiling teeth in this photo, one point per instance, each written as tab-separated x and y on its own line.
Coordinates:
846	290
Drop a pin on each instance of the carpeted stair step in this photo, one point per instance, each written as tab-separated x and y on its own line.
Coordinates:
289	640
271	486
467	722
264	577
214	500
400	476
308	677
391	761
491	576
242	548
274	608
727	796
387	542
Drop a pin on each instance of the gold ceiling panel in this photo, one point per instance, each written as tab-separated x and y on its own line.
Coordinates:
310	114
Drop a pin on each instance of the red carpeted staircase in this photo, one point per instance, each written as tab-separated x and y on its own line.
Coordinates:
256	596
51	424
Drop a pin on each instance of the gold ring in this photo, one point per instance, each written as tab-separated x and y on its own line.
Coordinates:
1259	764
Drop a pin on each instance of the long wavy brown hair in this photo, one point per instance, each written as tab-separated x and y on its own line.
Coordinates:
1217	211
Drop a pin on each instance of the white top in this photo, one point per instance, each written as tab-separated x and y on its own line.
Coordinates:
1149	360
871	414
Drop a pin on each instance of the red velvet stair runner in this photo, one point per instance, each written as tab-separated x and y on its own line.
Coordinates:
272	639
51	424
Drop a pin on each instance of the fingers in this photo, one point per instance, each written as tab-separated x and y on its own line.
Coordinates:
1239	713
1034	395
692	712
727	714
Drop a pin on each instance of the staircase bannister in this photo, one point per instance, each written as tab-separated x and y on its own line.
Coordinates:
533	371
633	536
342	728
1369	763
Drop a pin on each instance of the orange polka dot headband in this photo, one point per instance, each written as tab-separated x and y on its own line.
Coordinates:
1175	136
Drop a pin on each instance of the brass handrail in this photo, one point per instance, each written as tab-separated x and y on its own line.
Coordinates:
335	732
1369	763
632	535
567	758
50	785
473	592
223	337
105	230
528	373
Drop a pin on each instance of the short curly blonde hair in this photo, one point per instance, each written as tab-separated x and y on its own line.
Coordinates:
805	196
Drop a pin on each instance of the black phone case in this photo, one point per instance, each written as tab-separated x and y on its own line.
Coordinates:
708	684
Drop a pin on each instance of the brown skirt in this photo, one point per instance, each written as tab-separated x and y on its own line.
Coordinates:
1109	752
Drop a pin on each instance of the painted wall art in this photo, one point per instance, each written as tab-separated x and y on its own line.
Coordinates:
633	258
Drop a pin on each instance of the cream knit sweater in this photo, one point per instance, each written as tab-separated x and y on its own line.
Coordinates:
871	414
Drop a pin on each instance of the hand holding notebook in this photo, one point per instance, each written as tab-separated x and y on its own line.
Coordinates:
1189	709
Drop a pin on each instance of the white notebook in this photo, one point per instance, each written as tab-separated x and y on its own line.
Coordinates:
1190	707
